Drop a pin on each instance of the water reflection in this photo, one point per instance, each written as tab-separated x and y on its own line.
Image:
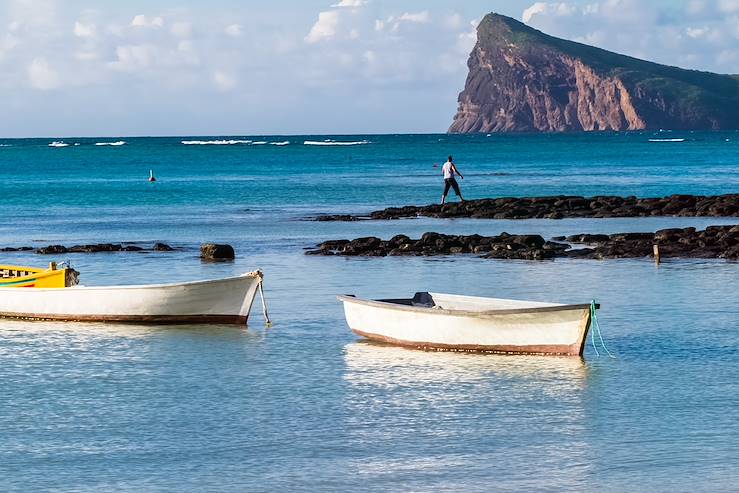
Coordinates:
40	328
371	363
424	408
22	342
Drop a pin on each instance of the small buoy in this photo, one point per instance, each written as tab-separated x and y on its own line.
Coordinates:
151	175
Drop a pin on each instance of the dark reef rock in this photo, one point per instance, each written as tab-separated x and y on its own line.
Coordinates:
162	247
713	242
337	217
93	248
522	80
502	246
214	251
564	206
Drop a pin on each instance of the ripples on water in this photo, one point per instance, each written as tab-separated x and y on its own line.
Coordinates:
305	405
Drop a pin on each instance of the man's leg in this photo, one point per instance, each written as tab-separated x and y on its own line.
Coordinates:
456	190
446	191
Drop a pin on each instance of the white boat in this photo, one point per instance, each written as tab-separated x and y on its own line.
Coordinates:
221	301
435	321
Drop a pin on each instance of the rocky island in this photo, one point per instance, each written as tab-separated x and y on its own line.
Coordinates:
522	80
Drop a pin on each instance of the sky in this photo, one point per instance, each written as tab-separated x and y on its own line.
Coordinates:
227	67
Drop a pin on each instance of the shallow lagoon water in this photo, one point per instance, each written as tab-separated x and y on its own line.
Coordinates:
306	405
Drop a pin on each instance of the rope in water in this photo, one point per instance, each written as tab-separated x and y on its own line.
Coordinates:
264	302
596	330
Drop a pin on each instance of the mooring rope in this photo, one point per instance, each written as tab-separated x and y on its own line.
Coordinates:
596	329
264	302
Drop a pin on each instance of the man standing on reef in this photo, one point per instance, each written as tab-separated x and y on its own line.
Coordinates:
449	170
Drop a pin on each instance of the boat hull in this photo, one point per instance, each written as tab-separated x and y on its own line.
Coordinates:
551	330
223	301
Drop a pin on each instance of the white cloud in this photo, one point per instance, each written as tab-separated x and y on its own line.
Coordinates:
134	57
453	21
554	9
35	13
696	32
728	6
380	49
223	81
42	76
234	30
84	30
141	20
393	22
419	17
7	44
537	8
181	29
350	3
86	55
324	28
369	56
656	32
466	40
696	7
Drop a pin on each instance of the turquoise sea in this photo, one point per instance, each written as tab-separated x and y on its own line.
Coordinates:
307	406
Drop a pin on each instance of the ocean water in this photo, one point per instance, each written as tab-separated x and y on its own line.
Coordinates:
307	406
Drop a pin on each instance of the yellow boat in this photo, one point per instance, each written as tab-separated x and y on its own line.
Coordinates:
15	276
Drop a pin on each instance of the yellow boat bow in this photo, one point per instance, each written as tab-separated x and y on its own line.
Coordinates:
15	276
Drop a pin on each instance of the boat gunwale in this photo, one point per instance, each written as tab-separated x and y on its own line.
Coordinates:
255	274
25	268
461	313
209	319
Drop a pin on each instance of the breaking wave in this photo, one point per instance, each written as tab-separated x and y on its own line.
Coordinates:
216	142
58	143
117	143
329	142
225	142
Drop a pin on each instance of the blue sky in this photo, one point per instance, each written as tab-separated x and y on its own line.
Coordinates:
178	67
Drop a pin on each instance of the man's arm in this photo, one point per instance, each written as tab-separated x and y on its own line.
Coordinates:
454	167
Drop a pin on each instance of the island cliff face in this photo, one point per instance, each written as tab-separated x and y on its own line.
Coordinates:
522	80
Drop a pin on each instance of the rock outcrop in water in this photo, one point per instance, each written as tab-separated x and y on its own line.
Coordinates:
215	251
91	248
713	242
562	206
522	80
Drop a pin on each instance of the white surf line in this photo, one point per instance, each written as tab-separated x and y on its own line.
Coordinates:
215	142
334	143
117	143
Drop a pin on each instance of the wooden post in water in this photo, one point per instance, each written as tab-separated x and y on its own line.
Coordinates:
655	248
